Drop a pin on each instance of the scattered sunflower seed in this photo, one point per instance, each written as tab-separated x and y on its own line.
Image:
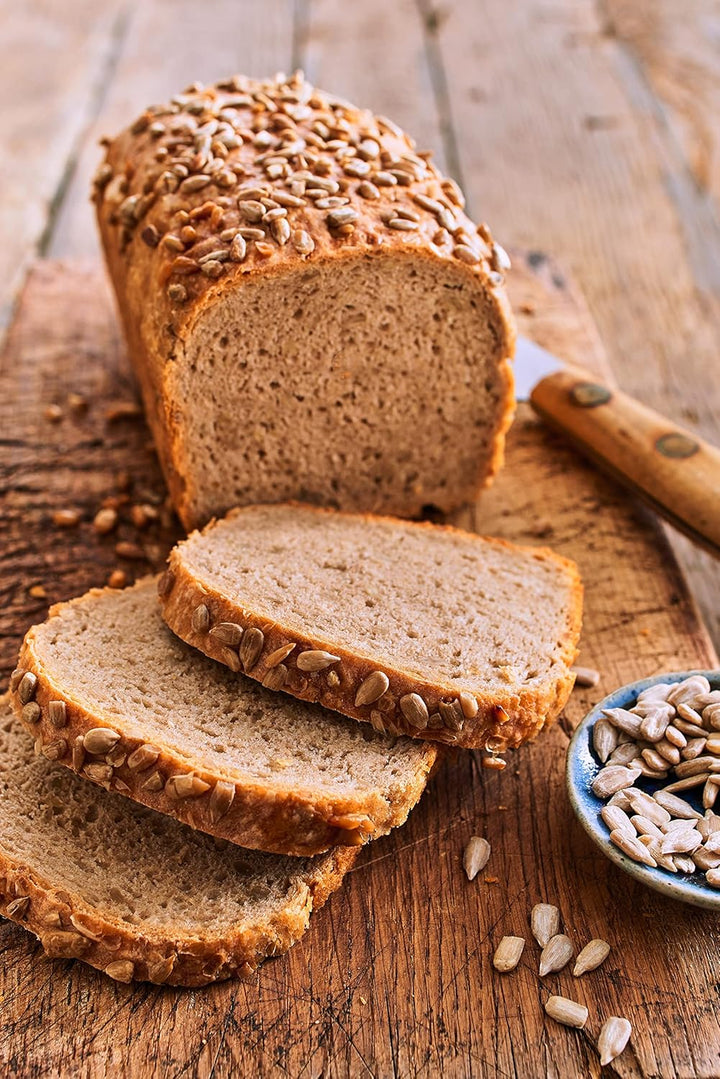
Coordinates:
556	954
508	953
613	1038
475	856
544	922
568	1012
591	956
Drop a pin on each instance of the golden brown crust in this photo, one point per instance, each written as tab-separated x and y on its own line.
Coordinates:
502	719
67	927
156	226
253	815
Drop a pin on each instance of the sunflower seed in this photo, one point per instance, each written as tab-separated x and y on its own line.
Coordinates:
16	678
228	633
186	786
468	705
279	655
643	826
613	778
605	738
705	859
681	841
201	619
276	677
100	740
342	216
508	953
19	907
591	956
316	660
690	715
121	970
615	817
303	242
653	847
613	1037
26	687
713	878
251	211
653	726
625	753
678	807
545	922
466	254
238	248
65	944
475	856
451	715
675	737
143	757
99	773
153	783
55	751
624	721
78	753
690	729
251	647
31	713
684	863
567	1012
667	751
711	717
372	688
632	847
687	783
645	805
556	954
695	747
414	709
684	691
220	800
656	762
710	793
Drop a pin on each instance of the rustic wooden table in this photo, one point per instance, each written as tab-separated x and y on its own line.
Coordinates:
584	130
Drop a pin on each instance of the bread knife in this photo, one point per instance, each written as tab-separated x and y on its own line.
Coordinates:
672	469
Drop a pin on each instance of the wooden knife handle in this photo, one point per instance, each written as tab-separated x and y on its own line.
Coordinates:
669	467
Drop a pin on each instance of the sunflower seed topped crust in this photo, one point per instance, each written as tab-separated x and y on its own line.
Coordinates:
355	579
241	193
200	743
207	913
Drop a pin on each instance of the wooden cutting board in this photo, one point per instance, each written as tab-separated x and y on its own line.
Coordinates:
394	976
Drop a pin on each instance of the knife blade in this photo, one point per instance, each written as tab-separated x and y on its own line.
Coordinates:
671	468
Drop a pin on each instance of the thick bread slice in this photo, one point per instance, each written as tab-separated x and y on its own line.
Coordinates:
415	628
106	688
309	310
135	893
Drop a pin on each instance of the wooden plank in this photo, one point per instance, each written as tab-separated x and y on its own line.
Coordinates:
168	44
47	103
394	976
392	75
563	149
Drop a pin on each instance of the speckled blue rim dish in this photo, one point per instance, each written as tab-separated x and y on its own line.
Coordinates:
581	768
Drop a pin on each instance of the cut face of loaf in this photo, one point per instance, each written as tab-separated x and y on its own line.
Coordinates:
106	689
309	311
135	893
414	628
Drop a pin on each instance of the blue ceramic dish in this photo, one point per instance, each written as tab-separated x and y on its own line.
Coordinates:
581	768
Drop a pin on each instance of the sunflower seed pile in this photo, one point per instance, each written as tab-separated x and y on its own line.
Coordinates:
670	737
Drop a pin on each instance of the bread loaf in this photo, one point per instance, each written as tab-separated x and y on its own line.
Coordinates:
310	312
105	688
135	893
414	628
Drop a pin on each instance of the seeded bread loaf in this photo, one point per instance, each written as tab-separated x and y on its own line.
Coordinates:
135	893
106	689
310	312
414	628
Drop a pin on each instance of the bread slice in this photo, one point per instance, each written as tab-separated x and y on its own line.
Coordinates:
417	629
310	312
136	893
106	689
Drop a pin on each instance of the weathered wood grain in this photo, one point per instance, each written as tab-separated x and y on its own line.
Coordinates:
46	104
563	148
169	43
394	976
